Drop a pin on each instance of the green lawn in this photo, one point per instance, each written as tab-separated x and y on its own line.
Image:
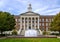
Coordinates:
30	40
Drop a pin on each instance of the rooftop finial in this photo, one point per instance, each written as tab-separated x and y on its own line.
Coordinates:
29	7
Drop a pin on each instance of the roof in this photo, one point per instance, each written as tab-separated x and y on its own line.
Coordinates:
30	13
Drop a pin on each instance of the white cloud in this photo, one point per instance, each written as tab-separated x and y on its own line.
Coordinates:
39	6
41	9
52	10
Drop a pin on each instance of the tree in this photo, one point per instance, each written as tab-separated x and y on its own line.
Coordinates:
7	21
55	24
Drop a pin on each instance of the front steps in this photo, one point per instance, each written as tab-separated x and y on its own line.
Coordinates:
23	32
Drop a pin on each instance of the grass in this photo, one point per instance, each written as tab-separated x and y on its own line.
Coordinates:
30	40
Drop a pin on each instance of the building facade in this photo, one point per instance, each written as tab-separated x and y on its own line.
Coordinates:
32	20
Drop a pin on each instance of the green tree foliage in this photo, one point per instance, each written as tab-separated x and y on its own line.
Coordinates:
7	21
55	24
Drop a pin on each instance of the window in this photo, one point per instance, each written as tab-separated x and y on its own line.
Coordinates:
25	21
36	18
25	18
49	20
42	24
32	21
42	20
46	20
33	25
16	20
36	21
33	18
29	19
29	27
46	24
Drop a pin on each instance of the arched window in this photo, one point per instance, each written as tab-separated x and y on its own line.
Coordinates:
33	18
36	18
29	27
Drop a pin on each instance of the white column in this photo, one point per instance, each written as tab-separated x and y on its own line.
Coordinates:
31	22
28	22
38	22
21	24
35	23
24	23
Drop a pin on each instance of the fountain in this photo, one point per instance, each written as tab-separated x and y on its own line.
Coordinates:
30	33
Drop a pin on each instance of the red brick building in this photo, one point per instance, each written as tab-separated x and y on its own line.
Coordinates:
32	20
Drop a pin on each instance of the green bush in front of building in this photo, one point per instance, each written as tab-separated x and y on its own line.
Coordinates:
14	32
45	33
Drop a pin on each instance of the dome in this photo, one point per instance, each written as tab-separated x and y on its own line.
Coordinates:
30	12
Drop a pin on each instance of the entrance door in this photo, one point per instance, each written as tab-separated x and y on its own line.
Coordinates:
29	27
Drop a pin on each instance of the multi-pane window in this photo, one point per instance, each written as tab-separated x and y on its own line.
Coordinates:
49	20
46	20
42	20
46	24
42	24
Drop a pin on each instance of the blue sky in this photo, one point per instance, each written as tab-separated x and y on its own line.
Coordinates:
43	7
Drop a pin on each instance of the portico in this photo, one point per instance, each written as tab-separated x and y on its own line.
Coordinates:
29	20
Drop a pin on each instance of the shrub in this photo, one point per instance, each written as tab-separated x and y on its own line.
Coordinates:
2	35
45	33
14	32
54	34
